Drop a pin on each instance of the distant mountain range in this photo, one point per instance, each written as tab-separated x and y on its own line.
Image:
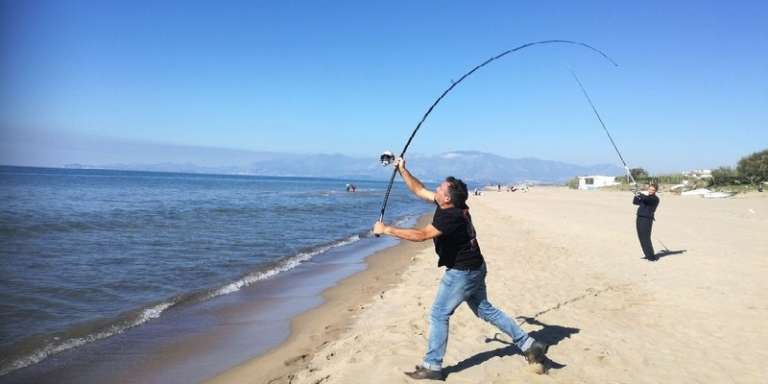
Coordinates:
472	166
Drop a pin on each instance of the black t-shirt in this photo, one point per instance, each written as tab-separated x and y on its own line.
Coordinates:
647	205
456	245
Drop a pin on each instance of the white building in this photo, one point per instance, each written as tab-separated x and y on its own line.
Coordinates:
593	182
699	173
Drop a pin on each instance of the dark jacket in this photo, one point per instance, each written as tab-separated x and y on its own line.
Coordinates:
647	205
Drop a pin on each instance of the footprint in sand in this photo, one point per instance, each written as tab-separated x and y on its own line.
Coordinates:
603	356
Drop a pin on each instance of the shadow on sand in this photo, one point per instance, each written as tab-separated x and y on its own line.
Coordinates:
664	253
550	334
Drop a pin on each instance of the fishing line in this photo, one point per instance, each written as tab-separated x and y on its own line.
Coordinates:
662	244
385	160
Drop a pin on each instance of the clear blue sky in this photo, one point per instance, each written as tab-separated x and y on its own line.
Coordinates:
354	77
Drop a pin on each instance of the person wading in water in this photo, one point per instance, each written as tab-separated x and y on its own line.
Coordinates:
464	277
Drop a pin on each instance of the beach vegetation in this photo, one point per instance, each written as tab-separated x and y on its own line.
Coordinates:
754	168
725	176
638	173
751	171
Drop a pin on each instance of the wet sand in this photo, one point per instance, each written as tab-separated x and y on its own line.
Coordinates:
569	264
316	329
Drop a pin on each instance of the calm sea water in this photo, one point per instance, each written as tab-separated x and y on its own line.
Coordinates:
87	254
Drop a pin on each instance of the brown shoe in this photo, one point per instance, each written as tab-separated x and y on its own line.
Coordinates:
422	373
536	353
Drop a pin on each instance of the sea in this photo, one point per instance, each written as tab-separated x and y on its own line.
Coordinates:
99	269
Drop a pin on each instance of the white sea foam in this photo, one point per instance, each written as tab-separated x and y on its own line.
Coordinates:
154	312
283	266
57	346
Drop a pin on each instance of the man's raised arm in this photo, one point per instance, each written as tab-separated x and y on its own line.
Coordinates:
414	184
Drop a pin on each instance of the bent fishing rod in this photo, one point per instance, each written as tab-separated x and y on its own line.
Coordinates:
600	119
388	157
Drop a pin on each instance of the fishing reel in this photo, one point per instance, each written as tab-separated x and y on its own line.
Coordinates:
387	158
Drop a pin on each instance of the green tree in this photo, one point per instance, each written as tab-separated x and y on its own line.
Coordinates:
639	173
724	176
754	167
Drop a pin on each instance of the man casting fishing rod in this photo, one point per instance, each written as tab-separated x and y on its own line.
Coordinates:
644	222
464	278
647	203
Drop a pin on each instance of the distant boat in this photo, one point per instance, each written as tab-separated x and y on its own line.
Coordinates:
718	195
706	193
696	192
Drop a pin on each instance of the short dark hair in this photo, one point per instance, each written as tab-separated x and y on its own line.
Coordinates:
457	190
654	184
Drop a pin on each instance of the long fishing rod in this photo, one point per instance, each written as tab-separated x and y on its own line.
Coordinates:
600	119
626	168
387	157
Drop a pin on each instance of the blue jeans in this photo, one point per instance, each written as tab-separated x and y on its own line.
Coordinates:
456	287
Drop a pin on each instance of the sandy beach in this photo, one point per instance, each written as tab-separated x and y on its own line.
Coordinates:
569	264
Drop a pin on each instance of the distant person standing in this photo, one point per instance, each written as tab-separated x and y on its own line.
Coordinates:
645	216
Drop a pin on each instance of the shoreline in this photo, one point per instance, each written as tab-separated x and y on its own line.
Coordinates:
314	329
195	343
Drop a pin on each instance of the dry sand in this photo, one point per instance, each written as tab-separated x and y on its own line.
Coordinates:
568	261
